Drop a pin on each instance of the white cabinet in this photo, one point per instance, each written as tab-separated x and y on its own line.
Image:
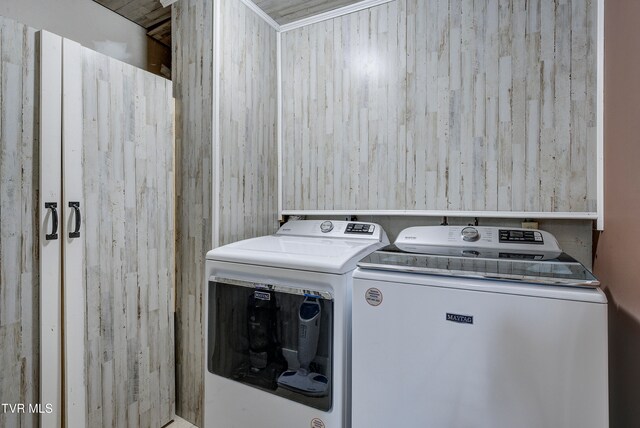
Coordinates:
51	228
20	271
87	220
119	242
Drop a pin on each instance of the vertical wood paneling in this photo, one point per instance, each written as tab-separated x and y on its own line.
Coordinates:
562	109
533	106
479	111
492	104
548	119
248	148
455	104
192	70
19	230
246	202
340	129
452	179
591	115
129	243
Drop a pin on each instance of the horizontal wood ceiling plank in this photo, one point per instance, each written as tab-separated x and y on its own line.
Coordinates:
145	13
286	11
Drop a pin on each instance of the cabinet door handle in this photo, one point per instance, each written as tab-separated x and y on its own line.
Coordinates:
76	209
54	217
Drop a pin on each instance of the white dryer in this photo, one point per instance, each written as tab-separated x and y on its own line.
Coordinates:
277	326
478	327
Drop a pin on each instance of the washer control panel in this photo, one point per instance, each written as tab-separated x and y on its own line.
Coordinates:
521	236
480	241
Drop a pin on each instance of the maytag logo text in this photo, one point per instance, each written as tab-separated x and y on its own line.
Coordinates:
462	319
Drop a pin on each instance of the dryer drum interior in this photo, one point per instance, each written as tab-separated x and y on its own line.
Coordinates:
257	332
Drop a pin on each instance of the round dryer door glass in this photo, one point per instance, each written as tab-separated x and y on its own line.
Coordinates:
326	227
276	338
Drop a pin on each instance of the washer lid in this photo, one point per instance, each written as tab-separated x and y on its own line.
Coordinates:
501	253
563	270
304	245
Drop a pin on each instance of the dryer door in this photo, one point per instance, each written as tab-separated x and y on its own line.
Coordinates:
272	337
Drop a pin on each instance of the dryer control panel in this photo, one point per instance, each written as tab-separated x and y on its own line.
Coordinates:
334	229
362	228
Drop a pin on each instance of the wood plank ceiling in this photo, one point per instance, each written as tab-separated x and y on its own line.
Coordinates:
286	11
149	14
157	19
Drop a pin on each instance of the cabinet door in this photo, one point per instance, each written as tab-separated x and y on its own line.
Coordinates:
23	220
50	228
118	243
74	284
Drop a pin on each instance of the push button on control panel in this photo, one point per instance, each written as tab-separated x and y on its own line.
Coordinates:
359	228
521	236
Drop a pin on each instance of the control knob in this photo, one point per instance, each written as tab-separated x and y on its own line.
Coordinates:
326	226
470	234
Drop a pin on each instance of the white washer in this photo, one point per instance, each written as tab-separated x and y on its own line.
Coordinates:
478	327
264	298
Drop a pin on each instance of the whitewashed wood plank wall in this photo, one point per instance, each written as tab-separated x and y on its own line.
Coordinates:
19	183
246	199
248	107
192	24
443	105
129	243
